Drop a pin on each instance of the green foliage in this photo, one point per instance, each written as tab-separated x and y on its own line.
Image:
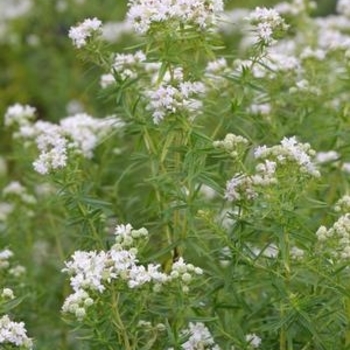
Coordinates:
263	252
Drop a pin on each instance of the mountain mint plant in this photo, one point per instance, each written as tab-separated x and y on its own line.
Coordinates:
204	204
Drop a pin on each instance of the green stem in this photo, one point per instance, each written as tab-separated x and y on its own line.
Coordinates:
285	250
117	321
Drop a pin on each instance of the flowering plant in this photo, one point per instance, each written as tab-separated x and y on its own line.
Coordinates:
205	206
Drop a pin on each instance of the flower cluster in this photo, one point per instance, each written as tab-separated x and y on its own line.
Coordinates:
343	7
15	9
326	157
343	204
253	340
17	190
125	66
80	33
290	151
169	99
19	115
199	337
336	240
11	333
215	72
93	271
232	144
267	23
295	7
7	294
5	255
143	13
77	303
240	187
51	145
303	86
78	134
5	264
14	333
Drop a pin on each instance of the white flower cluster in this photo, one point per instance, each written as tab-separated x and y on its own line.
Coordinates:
253	340
297	253
5	255
303	86
114	31
290	151
169	99
199	337
80	33
52	146
266	23
14	333
260	109
77	303
16	189
265	175
5	264
336	240
343	7
143	13
79	134
10	10
7	294
331	33
309	53
84	132
19	115
126	66
243	186
343	204
125	235
92	271
231	143
295	7
326	157
215	72
240	187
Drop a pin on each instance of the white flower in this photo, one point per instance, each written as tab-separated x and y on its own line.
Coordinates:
15	188
336	240
107	80
18	114
143	13
240	187
266	22
10	10
297	253
77	303
80	33
7	293
14	333
343	204
168	99
126	65
343	7
113	31
199	337
326	157
253	340
87	270
317	54
293	151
